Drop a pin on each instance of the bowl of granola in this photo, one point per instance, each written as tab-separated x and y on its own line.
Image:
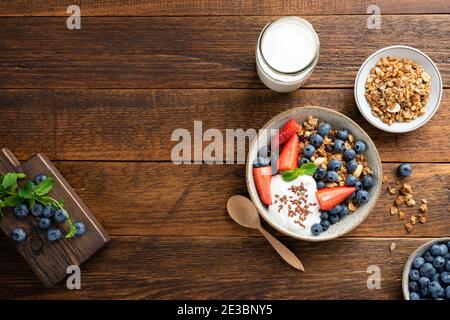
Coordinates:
313	173
398	89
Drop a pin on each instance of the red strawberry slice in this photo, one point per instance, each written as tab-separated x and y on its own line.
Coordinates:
330	197
262	177
289	129
289	154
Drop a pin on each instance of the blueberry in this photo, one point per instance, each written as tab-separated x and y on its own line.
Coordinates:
447	292
352	196
418	262
48	211
331	176
263	161
349	154
404	169
424	282
54	234
414	296
362	196
351	166
350	180
436	277
344	212
360	146
320	184
445	277
427	270
44	223
447	265
444	249
413	286
324	128
325	224
60	216
448	245
319	174
309	151
81	228
339	145
36	210
334	165
302	161
336	209
367	182
414	275
18	235
435	250
435	289
316	140
424	291
359	186
342	134
39	178
428	256
316	229
264	152
333	218
323	215
439	262
21	210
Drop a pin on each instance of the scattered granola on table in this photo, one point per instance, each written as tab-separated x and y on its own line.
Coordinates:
397	90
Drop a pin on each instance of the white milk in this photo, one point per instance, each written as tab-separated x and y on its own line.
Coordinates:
287	53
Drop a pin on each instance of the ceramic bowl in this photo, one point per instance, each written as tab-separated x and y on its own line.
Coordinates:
419	251
399	51
337	120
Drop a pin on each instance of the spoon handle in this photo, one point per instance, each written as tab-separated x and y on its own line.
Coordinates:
282	250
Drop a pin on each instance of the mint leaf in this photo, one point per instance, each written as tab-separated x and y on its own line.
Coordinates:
13	201
21	175
44	187
28	190
31	202
306	169
9	180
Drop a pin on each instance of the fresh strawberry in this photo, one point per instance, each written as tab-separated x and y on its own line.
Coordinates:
330	197
262	177
289	129
289	154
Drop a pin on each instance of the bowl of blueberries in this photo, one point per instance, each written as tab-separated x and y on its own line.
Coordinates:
426	275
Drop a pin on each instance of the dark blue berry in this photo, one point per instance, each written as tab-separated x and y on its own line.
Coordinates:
54	234
302	161
316	229
359	186
360	147
44	223
264	152
36	210
18	235
344	212
60	216
367	182
427	270
414	296
81	228
309	151
342	134
404	169
324	129
418	262
325	224
445	277
333	218
350	180
414	275
435	250
424	282
319	174
21	210
352	196
424	292
320	184
447	265
349	154
39	178
48	211
439	262
339	145
331	176
316	140
362	197
428	256
413	286
323	215
435	289
444	249
336	209
263	161
447	292
334	165
436	277
351	166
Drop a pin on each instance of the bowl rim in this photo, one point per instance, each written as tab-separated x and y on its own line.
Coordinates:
248	165
419	251
358	79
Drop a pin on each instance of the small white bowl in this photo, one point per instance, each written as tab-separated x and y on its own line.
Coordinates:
428	66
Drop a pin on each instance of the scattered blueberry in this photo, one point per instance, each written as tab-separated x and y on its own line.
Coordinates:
319	174
404	169
367	182
331	176
21	210
444	249
320	184
36	210
435	289
325	224
360	147
60	216
316	229
309	151
414	275
445	277
427	270
424	282
81	228
39	178
350	180
344	212
359	186
439	262
324	128
435	250
48	211
351	166
54	234
316	140
349	154
302	161
339	145
414	296
424	291
334	165
336	209
44	223
323	215
333	218
413	286
418	262
436	277
342	134
18	235
428	256
362	196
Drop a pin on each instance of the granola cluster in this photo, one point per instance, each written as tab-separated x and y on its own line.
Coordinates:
397	90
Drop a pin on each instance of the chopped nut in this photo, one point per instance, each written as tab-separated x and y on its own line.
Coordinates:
391	190
399	201
409	227
394	211
351	206
424	201
401	214
392	247
413	219
406	189
410	203
358	170
423	207
385	179
423	219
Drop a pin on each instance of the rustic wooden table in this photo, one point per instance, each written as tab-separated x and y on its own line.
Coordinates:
102	102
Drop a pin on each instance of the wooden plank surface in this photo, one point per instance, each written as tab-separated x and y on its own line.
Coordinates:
138	124
194	52
242	268
216	7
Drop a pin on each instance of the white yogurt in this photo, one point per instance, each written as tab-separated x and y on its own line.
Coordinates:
280	217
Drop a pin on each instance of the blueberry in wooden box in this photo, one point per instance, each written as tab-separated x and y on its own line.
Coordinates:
49	223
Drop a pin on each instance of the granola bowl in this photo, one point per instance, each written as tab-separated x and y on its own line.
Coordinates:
400	93
336	120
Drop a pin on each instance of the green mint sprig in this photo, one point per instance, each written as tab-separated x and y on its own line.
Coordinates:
306	169
8	190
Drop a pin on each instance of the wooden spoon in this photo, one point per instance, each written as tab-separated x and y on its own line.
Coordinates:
243	211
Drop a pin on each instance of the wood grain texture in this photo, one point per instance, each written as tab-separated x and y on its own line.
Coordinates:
216	7
171	200
193	52
138	124
221	268
50	260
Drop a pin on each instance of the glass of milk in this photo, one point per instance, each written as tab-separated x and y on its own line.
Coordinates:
287	53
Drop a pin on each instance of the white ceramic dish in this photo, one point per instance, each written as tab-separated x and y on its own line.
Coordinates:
419	251
337	120
399	51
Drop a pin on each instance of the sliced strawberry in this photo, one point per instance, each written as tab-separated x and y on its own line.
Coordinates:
289	129
289	154
262	177
330	197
